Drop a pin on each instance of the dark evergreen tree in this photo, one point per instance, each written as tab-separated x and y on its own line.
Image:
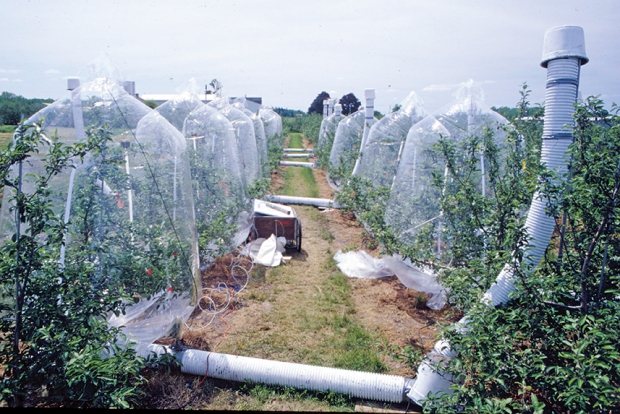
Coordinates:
317	104
349	103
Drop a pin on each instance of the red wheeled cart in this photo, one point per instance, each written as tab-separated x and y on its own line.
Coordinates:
277	219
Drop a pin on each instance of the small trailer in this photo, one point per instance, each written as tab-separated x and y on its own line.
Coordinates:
277	219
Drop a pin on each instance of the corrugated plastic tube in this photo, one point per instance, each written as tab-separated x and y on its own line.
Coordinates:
297	164
369	120
298	155
563	54
308	201
366	385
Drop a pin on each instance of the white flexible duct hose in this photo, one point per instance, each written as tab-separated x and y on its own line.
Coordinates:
308	201
297	164
366	385
369	112
297	155
369	120
564	53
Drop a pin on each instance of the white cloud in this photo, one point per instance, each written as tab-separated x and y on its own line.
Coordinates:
4	79
51	72
9	70
17	80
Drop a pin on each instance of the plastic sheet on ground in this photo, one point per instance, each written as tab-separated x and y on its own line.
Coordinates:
267	252
360	264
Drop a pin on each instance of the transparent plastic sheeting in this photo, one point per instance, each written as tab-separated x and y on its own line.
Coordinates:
360	264
177	109
129	206
381	154
261	138
273	126
220	190
413	206
244	137
209	202
345	148
327	132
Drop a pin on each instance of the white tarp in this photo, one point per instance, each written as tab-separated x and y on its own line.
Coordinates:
360	264
267	252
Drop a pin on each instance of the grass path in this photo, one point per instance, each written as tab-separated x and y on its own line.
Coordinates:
305	311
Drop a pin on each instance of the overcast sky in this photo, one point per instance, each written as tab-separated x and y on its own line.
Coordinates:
287	52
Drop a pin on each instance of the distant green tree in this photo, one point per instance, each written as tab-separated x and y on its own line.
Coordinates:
311	126
512	113
316	107
150	103
15	107
349	103
289	112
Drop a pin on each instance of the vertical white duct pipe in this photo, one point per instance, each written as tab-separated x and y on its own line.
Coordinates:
338	109
73	85
330	107
369	120
325	106
563	54
369	112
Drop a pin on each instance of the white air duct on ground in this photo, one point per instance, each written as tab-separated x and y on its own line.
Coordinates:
297	149
298	155
563	54
309	201
297	164
366	385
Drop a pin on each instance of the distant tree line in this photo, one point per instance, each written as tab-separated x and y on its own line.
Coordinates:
512	113
291	113
14	108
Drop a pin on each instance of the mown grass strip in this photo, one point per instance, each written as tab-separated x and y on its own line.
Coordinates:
299	181
296	140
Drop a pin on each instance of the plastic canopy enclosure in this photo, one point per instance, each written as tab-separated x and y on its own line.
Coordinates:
178	108
327	132
261	137
413	207
128	206
273	126
244	137
345	148
220	191
382	150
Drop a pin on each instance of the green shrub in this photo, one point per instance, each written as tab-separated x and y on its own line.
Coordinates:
56	342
